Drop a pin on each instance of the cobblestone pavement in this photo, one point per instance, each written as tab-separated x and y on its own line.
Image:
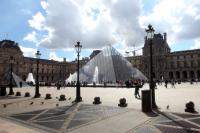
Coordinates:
167	122
67	118
27	114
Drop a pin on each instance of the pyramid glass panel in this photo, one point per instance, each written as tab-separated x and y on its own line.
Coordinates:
107	66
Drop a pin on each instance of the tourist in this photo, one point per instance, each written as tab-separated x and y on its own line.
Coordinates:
127	84
94	84
196	80
20	84
173	83
137	87
58	86
191	81
166	82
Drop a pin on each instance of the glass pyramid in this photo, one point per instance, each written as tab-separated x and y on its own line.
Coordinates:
107	66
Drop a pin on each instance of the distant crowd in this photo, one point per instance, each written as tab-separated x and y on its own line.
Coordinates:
132	83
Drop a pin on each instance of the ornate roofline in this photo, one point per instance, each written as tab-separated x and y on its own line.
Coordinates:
9	44
186	51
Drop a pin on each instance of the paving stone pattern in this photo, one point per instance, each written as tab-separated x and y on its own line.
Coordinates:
171	123
67	117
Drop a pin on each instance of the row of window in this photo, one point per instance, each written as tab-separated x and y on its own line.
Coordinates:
48	71
44	66
185	56
179	64
50	78
184	74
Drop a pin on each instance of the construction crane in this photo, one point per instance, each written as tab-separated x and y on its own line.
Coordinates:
133	51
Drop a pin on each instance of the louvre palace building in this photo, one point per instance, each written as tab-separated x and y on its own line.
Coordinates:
50	71
179	65
167	65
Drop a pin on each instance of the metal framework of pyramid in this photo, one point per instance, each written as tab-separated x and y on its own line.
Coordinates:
16	79
107	66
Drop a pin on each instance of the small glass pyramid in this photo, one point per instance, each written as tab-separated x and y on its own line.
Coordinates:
107	66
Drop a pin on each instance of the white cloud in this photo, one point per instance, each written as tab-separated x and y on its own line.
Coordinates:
31	37
28	52
95	22
196	44
53	56
37	22
44	4
91	22
179	19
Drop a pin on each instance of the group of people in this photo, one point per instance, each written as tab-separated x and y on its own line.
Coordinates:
173	82
133	83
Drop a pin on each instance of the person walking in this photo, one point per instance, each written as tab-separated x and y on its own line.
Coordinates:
173	83
166	82
137	88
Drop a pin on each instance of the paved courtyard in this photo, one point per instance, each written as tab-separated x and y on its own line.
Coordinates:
20	114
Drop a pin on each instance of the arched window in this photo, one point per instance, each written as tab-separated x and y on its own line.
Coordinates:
185	75
171	75
192	75
178	75
198	74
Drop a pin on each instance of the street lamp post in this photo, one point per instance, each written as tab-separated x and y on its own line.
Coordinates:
37	93
64	76
150	35
78	92
11	77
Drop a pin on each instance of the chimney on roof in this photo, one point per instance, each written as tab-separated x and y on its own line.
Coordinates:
165	36
64	59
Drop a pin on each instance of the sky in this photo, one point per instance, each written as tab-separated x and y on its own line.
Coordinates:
54	26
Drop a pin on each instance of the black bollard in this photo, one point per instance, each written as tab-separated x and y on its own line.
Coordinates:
18	93
62	98
97	100
122	102
27	94
190	107
48	96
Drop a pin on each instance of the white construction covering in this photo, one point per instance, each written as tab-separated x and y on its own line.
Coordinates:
30	78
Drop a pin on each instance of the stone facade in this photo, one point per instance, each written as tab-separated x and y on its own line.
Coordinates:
180	65
50	71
